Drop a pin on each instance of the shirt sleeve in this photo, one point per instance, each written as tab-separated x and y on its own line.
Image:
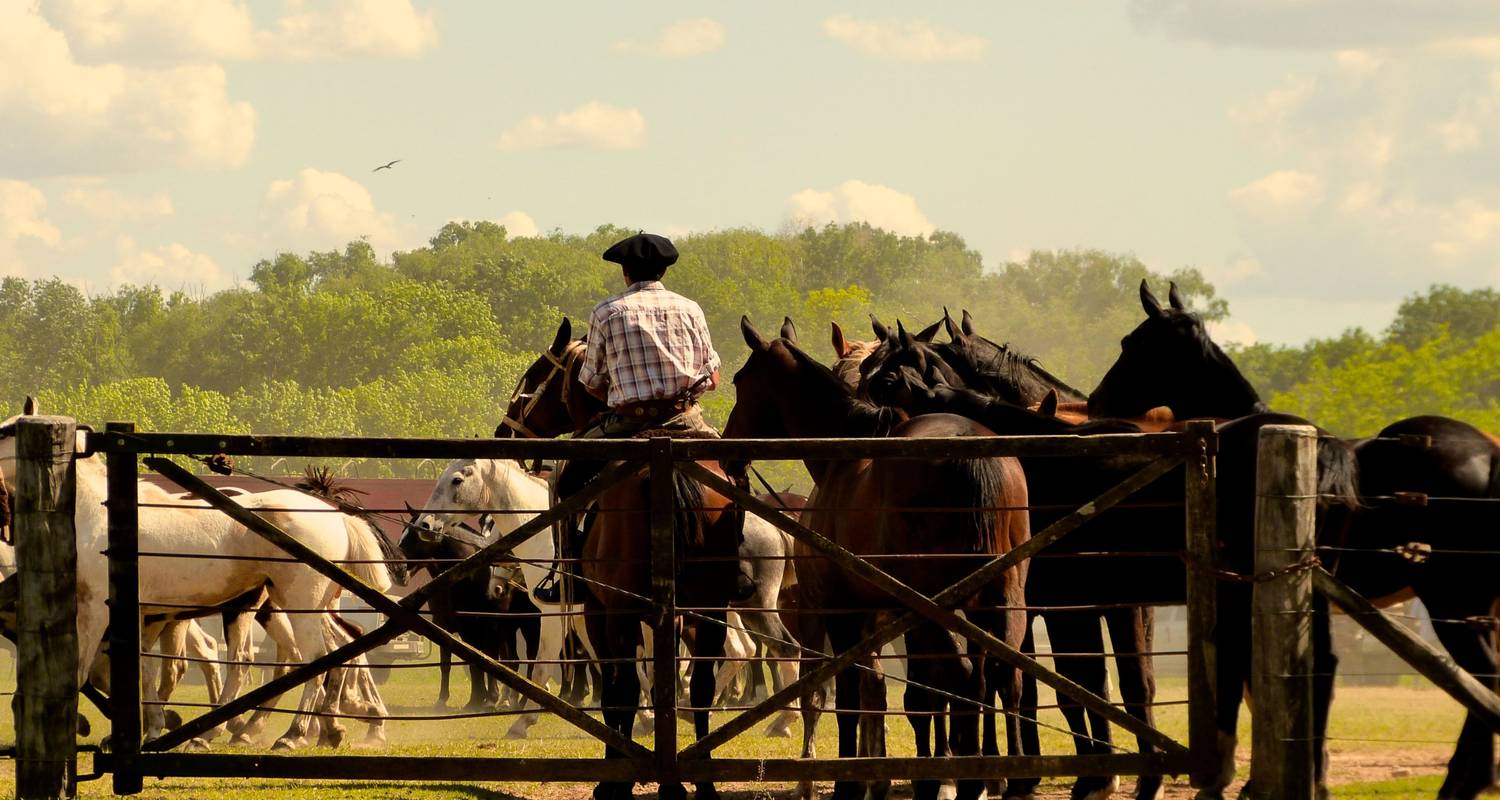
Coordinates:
593	373
705	344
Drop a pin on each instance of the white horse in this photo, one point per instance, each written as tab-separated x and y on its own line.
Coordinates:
167	583
470	485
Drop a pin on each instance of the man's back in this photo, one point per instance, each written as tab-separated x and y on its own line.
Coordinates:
647	343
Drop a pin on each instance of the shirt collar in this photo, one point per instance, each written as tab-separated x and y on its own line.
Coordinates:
645	286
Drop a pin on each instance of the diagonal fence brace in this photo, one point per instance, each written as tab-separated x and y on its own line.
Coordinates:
933	608
402	616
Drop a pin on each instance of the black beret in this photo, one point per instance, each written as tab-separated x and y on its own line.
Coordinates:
644	250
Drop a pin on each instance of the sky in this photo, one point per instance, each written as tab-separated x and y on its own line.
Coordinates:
1318	160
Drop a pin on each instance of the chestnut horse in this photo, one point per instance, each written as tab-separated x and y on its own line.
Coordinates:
782	392
550	401
1170	360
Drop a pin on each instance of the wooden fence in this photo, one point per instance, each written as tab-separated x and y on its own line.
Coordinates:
44	505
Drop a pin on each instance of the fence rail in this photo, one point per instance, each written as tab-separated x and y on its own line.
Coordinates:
126	451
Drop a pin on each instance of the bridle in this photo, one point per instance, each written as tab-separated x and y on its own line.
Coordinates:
561	365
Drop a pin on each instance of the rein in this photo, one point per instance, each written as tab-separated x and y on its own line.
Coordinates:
560	366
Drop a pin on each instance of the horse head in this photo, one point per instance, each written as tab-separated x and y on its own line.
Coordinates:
549	400
887	381
1170	360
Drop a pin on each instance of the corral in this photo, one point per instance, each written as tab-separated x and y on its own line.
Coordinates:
130	758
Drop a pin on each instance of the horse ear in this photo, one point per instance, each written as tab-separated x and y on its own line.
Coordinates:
906	339
1149	302
926	334
840	344
29	407
753	338
1048	406
788	330
564	335
1175	298
881	331
968	324
954	332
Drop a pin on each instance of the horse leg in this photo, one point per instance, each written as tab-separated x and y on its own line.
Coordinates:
1232	638
1471	770
921	704
445	664
708	651
237	672
843	633
614	638
279	628
204	648
1078	633
1022	735
151	667
543	641
1131	636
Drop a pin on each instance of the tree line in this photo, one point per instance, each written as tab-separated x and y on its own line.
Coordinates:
431	341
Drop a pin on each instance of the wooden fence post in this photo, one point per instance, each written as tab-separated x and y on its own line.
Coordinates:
1202	603
47	614
664	600
125	726
1286	484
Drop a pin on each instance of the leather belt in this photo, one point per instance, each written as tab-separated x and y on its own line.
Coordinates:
653	409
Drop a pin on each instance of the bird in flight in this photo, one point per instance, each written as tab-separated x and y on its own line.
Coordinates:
386	166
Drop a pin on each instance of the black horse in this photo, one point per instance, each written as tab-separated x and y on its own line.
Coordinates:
1152	529
1170	360
481	608
1000	377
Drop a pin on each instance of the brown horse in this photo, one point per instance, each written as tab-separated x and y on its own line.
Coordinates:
782	392
550	401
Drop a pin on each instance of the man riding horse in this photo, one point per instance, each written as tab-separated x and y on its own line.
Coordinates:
649	357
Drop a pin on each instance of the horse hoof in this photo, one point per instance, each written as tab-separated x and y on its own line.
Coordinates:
1150	787
1095	788
195	745
285	743
84	729
671	791
516	732
777	732
706	791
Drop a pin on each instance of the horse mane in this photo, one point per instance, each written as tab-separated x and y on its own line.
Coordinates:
322	482
864	417
1003	367
1215	355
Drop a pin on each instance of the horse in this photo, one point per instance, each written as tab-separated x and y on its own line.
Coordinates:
888	379
781	392
549	401
249	561
509	497
1170	360
848	355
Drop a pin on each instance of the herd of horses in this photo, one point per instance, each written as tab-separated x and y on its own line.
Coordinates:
757	586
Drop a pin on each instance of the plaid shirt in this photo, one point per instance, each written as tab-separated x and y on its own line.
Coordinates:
646	344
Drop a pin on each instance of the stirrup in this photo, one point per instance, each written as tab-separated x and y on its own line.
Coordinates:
549	590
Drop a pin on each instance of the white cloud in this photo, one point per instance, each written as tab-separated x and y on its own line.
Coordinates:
23	222
1384	188
1231	331
596	126
324	210
857	201
1319	24
917	40
682	39
116	206
170	31
518	224
64	117
171	267
1282	191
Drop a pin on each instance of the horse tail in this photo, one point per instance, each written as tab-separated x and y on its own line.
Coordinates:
364	547
983	481
687	523
1338	473
788	549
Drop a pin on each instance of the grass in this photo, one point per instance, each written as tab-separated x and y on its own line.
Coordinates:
1374	730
